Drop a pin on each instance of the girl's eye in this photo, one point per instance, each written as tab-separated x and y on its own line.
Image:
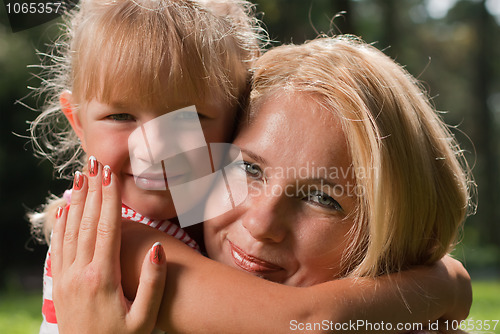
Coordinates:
121	117
189	116
321	199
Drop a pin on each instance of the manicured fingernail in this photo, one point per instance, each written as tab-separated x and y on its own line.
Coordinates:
106	175
59	212
93	168
78	181
156	254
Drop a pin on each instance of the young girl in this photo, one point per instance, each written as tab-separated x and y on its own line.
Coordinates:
358	111
122	63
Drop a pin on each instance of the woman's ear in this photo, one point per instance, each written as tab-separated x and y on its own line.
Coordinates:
69	110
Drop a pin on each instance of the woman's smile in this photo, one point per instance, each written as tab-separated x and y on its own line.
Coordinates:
252	264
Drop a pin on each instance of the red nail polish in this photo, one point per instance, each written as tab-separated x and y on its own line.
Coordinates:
59	212
156	254
93	167
106	176
78	181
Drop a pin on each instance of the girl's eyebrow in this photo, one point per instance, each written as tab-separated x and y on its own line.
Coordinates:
254	156
119	105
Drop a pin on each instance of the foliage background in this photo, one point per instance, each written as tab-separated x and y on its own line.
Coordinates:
452	46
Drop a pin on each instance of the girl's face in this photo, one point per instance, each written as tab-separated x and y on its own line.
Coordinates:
293	226
104	130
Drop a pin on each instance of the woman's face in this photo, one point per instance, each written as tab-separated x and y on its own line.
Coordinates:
293	226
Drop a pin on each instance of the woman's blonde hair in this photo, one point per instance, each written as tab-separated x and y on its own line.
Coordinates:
415	184
139	49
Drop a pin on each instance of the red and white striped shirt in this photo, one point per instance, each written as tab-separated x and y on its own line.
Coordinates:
49	324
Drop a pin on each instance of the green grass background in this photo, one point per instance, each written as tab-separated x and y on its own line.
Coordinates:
20	312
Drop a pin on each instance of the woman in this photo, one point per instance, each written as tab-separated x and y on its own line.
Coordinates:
384	190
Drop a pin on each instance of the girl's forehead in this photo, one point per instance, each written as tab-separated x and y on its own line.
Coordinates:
127	76
125	95
129	92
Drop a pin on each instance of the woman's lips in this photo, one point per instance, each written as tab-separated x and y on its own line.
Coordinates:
251	263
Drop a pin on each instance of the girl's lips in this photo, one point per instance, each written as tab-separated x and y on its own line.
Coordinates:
152	176
157	181
151	182
251	263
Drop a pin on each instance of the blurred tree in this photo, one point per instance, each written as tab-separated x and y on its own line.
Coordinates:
24	182
298	20
472	58
485	140
390	26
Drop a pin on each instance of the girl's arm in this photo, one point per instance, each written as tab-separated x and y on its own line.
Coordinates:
203	296
85	264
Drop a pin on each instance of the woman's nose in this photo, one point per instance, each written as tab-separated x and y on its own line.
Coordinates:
266	218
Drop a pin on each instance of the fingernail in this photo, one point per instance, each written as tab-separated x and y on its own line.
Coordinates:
59	212
93	168
106	175
156	254
78	181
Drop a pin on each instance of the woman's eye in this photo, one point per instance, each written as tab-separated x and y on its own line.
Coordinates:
121	117
321	199
252	170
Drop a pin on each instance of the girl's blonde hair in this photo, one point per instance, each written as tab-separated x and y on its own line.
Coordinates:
137	50
415	186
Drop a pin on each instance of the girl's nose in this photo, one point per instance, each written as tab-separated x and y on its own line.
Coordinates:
163	138
155	140
266	218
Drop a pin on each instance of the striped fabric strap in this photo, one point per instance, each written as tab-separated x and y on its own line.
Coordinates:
161	225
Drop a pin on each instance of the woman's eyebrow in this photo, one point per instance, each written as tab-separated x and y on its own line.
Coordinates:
323	181
254	156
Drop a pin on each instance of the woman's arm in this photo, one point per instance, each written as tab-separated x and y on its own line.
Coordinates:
202	295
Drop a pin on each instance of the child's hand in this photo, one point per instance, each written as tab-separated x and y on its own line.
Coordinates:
87	291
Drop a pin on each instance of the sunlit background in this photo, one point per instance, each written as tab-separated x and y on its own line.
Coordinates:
452	46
